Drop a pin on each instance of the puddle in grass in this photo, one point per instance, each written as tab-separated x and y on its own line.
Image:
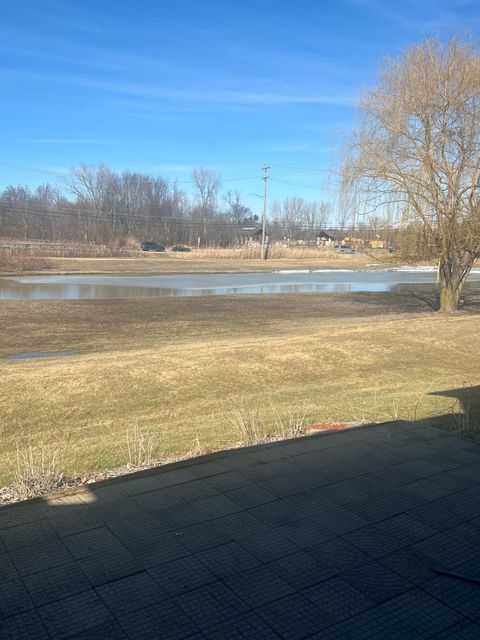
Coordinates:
30	355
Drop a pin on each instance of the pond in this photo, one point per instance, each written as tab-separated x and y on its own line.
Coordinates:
85	287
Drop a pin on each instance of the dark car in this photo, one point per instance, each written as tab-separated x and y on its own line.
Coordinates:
152	246
179	247
344	249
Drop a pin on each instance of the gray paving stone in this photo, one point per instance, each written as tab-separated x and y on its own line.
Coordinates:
14	598
144	528
40	557
163	621
301	570
305	533
269	546
138	591
274	514
447	552
426	489
338	598
452	483
459	595
462	631
268	470
411	616
295	617
339	554
7	569
341	520
109	565
374	541
340	493
228	559
184	574
377	508
56	583
108	631
199	511
14	515
229	481
287	485
464	503
242	525
377	581
82	519
166	548
24	626
251	496
211	605
258	586
396	474
88	543
117	510
414	566
245	627
436	515
26	535
191	491
72	615
202	536
310	504
372	485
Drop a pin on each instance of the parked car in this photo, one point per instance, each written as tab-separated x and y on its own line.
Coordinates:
152	246
344	250
179	247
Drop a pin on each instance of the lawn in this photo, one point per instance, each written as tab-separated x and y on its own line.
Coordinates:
221	261
182	366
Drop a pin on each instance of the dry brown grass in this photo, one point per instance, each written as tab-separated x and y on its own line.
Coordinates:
276	251
14	261
172	364
222	261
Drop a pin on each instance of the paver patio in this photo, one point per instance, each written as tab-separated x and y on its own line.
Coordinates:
339	535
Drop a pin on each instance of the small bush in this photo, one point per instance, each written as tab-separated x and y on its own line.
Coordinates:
37	471
139	446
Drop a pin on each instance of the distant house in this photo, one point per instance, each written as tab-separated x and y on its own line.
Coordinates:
249	235
323	239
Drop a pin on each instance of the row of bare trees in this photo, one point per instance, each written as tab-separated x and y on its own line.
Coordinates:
98	205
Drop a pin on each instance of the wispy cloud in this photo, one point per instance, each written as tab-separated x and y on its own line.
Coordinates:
339	97
64	141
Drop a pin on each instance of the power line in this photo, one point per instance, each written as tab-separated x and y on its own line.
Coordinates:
296	184
285	166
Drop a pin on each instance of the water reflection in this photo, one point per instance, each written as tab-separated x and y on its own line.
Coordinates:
111	287
41	354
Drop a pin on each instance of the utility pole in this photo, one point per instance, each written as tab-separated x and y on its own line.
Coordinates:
264	217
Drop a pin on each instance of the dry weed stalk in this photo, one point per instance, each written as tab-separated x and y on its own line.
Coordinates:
139	445
37	471
251	427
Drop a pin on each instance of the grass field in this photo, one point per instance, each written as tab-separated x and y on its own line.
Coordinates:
208	262
180	366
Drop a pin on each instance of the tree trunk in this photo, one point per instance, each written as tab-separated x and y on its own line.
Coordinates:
449	297
451	276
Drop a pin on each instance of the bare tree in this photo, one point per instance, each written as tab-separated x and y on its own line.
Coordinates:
206	183
418	145
238	212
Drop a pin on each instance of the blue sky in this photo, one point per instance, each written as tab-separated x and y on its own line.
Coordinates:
162	87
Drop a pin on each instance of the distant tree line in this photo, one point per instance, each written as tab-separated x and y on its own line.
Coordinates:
101	206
